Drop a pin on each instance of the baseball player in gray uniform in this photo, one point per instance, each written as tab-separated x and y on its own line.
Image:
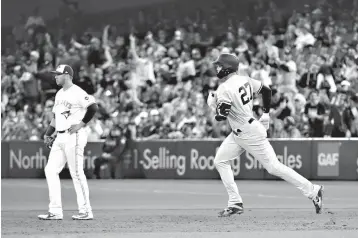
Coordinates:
233	101
73	109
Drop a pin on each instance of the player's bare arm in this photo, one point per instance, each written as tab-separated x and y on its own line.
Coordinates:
91	111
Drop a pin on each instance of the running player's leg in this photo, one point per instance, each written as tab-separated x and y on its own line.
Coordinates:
228	150
74	153
258	145
55	164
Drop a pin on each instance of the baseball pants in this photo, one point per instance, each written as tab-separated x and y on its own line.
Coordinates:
253	139
68	148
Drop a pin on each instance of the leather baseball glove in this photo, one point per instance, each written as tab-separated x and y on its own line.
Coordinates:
49	141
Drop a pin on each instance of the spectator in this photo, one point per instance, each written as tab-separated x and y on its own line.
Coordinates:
335	122
280	105
304	37
288	70
151	126
315	112
47	82
290	127
325	78
113	148
166	69
85	82
9	126
350	117
277	129
299	109
308	79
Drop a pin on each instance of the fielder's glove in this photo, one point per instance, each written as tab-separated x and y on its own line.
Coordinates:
265	120
49	141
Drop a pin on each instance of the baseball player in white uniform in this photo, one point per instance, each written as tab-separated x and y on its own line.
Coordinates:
73	109
233	101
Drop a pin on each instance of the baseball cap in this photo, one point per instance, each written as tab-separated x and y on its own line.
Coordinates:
63	69
227	61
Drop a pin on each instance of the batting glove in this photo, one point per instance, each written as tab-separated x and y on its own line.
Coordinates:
265	120
49	141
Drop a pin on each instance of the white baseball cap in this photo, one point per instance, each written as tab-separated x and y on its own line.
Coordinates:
63	69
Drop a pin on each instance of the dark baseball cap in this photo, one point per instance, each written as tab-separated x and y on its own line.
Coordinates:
63	69
227	61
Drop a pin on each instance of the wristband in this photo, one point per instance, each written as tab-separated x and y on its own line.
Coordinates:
50	130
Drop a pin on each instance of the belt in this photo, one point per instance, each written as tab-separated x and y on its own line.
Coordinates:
62	131
238	130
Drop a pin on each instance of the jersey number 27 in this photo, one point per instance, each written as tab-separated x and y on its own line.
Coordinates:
246	93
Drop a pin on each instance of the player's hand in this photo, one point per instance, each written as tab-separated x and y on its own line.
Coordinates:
74	128
49	141
265	120
46	139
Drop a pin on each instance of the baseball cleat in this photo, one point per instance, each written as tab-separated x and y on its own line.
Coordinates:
318	201
83	216
50	216
237	208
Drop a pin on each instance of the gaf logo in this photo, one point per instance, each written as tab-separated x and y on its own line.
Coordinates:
328	159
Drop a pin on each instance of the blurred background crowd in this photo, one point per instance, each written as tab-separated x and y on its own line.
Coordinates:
150	69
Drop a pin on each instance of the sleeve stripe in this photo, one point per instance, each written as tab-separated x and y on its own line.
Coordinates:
258	91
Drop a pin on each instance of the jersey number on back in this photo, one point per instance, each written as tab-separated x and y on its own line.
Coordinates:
246	93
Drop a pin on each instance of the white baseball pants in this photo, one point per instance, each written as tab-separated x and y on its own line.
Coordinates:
253	139
68	148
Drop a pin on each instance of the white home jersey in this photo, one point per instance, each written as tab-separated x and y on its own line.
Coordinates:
238	91
70	107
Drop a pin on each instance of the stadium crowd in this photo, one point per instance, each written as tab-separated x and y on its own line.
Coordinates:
151	74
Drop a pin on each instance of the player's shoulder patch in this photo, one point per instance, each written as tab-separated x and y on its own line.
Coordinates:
86	98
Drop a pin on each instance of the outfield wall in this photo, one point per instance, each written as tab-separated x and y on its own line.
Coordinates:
329	159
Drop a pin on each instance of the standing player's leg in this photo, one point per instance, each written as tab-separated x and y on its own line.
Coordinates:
55	164
256	143
229	150
74	152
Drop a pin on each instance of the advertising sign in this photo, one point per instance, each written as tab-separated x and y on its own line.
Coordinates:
4	159
190	160
194	159
170	159
328	159
294	154
28	159
336	160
